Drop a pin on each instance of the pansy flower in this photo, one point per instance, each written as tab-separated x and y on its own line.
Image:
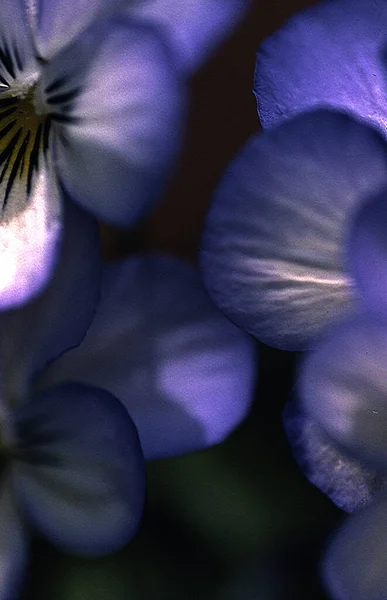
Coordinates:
331	55
273	245
337	426
88	105
156	351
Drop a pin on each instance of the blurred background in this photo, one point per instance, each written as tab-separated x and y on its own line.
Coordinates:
238	521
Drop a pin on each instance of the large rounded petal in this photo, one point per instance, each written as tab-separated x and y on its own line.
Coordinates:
343	387
273	246
329	55
58	22
324	463
116	110
367	254
59	318
193	27
158	344
13	544
80	475
354	567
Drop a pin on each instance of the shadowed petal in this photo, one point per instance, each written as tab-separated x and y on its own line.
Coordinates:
194	27
325	464
343	387
158	344
117	137
329	55
272	251
59	318
367	254
13	546
81	479
354	567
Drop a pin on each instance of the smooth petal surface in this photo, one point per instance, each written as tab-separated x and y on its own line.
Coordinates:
59	318
16	44
193	27
13	546
81	477
30	232
324	463
330	55
116	139
58	22
343	387
273	245
367	254
354	566
158	344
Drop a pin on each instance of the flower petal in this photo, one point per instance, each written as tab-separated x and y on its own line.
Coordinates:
59	22
367	254
80	479
273	245
59	318
328	55
17	56
158	344
194	27
325	464
118	136
30	231
13	546
343	387
355	562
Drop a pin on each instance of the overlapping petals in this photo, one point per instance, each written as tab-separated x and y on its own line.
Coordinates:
273	248
158	344
193	27
330	55
80	475
59	318
121	132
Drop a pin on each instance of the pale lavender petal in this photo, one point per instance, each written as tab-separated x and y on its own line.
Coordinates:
324	463
116	118
273	246
330	55
343	387
80	478
158	344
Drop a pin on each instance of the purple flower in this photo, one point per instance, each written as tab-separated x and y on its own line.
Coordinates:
95	380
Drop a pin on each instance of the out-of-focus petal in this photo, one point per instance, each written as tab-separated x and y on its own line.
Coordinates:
343	387
329	55
158	344
325	464
367	254
272	252
58	22
354	567
116	118
59	318
80	479
193	27
30	231
13	546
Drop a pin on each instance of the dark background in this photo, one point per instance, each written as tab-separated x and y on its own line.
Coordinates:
238	521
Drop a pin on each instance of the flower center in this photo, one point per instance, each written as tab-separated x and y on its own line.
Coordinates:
23	137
